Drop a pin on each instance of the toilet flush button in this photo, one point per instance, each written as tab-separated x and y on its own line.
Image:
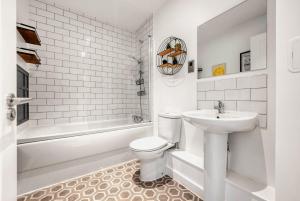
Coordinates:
294	54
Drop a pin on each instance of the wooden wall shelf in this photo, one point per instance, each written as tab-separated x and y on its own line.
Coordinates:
168	65
165	52
171	52
176	53
29	56
29	34
171	56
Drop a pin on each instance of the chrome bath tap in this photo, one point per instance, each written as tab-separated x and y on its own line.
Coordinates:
220	107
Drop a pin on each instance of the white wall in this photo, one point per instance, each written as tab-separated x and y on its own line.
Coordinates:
287	105
178	93
181	19
226	47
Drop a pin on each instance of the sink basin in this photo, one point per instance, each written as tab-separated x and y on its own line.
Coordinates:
216	128
228	122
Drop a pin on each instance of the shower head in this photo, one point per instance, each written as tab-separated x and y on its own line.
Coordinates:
132	57
137	60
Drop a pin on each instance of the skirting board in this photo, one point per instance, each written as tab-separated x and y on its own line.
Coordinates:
188	183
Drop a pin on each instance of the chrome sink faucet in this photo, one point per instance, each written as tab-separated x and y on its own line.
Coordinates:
220	107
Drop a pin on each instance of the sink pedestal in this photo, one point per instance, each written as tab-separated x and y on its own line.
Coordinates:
215	162
216	129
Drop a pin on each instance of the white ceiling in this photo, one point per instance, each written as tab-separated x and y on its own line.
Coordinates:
127	14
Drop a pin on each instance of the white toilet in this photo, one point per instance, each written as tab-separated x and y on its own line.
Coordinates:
150	150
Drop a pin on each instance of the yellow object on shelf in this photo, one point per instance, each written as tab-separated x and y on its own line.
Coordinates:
219	69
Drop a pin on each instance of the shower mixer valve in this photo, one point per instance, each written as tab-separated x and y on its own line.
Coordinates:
139	81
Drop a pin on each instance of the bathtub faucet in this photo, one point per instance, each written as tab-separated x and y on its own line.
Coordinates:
137	119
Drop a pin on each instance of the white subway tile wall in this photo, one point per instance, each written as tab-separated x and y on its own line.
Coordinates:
242	93
85	73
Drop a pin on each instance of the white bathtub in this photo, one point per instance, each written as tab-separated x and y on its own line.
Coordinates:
49	154
42	133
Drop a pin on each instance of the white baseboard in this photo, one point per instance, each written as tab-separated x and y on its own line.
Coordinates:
186	169
197	189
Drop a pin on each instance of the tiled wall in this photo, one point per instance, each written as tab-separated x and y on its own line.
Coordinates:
85	72
241	93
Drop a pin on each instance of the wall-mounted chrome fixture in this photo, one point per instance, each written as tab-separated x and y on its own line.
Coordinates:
12	101
140	82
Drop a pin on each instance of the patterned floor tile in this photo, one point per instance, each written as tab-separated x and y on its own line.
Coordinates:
119	183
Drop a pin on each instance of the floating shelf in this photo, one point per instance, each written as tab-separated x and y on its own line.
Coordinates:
165	52
168	65
176	53
29	34
29	56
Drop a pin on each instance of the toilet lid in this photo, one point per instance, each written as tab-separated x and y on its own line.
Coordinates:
148	144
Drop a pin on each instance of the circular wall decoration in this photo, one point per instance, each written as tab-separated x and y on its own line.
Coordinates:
171	56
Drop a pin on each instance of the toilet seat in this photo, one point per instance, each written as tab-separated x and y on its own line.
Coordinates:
148	144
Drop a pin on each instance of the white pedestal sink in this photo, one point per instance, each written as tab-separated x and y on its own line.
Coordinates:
216	129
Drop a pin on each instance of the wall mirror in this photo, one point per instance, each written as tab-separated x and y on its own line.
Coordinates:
235	41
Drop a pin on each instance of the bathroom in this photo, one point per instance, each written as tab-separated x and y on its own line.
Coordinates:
150	100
